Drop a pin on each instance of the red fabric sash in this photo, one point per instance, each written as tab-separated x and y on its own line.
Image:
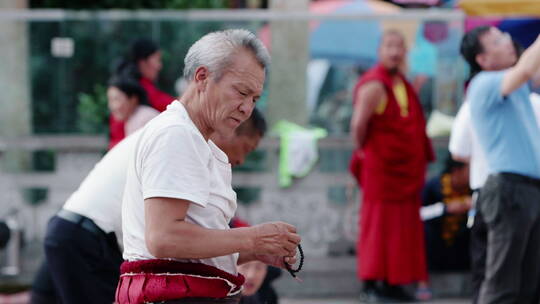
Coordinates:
162	280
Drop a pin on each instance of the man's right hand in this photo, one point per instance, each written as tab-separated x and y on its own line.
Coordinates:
277	239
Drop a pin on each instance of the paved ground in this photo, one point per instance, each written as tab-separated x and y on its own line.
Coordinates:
356	301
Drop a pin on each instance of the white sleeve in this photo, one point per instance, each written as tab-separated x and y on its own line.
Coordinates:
460	143
432	211
174	163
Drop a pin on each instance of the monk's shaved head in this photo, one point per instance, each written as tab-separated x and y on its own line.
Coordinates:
392	50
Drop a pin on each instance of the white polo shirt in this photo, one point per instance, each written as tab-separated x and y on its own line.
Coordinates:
99	197
173	160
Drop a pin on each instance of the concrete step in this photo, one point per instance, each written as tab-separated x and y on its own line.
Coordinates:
328	277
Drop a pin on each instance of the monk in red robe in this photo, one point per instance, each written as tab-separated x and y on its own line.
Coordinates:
389	162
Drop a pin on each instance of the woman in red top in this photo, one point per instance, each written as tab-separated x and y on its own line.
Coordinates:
142	63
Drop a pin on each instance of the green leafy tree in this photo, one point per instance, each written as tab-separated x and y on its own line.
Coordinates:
93	111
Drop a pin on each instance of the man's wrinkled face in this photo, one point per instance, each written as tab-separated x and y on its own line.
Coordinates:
237	147
232	97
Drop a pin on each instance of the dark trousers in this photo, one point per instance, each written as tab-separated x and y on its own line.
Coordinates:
43	291
478	253
84	265
510	205
442	256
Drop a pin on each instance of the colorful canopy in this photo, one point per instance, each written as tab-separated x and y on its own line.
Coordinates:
501	7
353	41
523	30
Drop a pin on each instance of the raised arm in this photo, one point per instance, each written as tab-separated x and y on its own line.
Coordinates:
526	69
169	235
368	98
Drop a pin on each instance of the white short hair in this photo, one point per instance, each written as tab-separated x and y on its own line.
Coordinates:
214	50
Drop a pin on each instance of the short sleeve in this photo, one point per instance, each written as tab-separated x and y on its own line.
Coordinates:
485	90
461	138
174	164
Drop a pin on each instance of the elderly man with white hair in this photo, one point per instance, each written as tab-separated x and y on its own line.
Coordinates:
178	198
